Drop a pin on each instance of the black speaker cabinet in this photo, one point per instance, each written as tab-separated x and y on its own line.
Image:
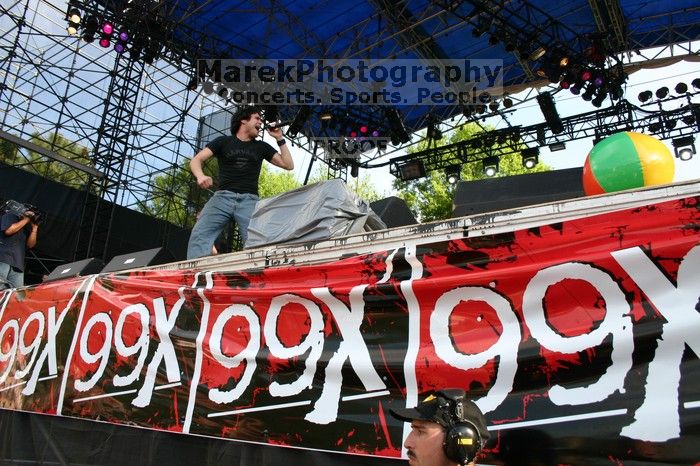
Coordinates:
394	212
509	192
136	259
75	269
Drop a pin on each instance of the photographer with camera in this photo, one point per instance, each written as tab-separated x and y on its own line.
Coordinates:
17	232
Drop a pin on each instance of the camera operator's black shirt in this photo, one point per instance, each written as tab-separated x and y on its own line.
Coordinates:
13	247
240	162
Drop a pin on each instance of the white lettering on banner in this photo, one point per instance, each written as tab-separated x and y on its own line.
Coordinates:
677	304
247	354
617	322
505	348
11	353
140	346
48	353
102	355
164	353
313	342
352	347
33	347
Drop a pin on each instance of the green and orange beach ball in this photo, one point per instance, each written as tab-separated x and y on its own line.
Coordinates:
627	161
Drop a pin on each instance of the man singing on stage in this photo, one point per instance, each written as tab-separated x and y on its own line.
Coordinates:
240	160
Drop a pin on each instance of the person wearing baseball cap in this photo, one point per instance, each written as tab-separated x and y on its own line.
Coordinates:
446	429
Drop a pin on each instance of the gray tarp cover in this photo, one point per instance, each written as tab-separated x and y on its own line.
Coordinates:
311	213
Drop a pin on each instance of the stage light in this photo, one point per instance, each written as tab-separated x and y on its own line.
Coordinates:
564	61
530	157
696	83
586	75
681	88
564	84
557	146
74	16
537	53
490	166
123	36
91	25
104	42
662	92
588	93
119	47
507	102
411	170
325	116
397	130
363	129
354	170
72	28
549	111
684	147
453	173
433	131
655	127
576	90
107	28
493	106
598	99
375	133
644	96
688	119
598	81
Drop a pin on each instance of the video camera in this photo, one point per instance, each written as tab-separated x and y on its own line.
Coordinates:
23	210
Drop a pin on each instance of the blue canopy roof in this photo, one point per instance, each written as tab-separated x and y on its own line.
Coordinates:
510	31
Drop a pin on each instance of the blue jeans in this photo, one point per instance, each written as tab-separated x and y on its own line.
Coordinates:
217	212
13	277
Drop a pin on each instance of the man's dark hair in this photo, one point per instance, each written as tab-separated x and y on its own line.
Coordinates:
243	113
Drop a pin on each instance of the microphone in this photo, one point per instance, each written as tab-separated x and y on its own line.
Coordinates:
279	124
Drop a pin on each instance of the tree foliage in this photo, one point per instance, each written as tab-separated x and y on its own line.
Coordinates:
47	167
431	198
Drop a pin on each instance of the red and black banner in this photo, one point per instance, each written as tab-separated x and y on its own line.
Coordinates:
579	340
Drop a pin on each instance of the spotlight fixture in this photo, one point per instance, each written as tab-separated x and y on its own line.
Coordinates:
91	26
681	88
644	96
662	92
453	173
507	102
557	146
107	28
549	111
398	132
411	170
490	166
696	83
537	53
684	147
530	157
74	16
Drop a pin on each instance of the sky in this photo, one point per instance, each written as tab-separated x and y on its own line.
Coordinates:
567	104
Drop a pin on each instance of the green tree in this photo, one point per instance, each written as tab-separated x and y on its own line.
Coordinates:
48	167
431	197
56	170
9	153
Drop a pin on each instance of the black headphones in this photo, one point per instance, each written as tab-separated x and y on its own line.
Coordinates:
462	438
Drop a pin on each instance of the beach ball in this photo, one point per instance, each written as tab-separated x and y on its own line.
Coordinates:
627	161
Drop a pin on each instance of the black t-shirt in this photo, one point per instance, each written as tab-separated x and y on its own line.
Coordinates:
13	247
240	162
